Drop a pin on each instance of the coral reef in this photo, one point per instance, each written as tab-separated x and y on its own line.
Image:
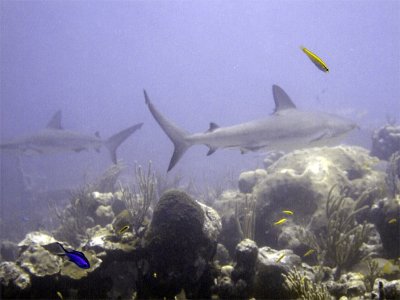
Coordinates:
300	286
244	270
77	216
340	243
386	141
382	212
393	175
14	280
181	248
138	201
247	180
176	246
299	180
271	266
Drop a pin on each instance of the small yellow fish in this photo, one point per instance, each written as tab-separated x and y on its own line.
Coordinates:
281	221
388	268
123	229
60	295
280	258
392	221
309	252
315	59
288	212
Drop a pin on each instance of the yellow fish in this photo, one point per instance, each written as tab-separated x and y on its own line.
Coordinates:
123	229
288	212
60	295
392	221
315	59
280	258
309	252
281	221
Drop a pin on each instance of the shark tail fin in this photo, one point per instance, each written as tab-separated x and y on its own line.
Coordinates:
176	134
113	142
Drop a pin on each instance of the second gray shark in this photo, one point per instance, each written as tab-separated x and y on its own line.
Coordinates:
288	128
56	139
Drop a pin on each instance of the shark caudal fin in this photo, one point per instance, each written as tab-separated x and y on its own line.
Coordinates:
176	135
113	142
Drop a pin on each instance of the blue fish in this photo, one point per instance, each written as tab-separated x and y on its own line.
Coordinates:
76	257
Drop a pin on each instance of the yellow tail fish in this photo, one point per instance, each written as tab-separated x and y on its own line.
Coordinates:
315	59
309	252
280	258
281	221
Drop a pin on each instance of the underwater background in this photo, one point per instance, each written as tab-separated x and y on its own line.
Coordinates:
200	62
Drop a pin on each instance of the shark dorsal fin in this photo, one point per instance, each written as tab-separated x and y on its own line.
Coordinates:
282	100
55	122
97	134
213	126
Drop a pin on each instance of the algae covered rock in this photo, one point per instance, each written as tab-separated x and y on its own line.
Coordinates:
106	242
390	289
178	250
212	222
13	279
39	262
247	180
385	217
386	141
271	266
354	284
301	180
244	271
104	214
37	238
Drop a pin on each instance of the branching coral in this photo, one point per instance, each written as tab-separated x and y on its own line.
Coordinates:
302	287
339	243
144	193
373	273
245	214
75	219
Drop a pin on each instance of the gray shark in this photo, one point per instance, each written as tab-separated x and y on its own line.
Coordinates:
286	129
56	139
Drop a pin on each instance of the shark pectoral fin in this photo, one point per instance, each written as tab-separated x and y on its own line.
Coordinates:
79	149
55	122
211	150
97	149
97	134
317	138
244	150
